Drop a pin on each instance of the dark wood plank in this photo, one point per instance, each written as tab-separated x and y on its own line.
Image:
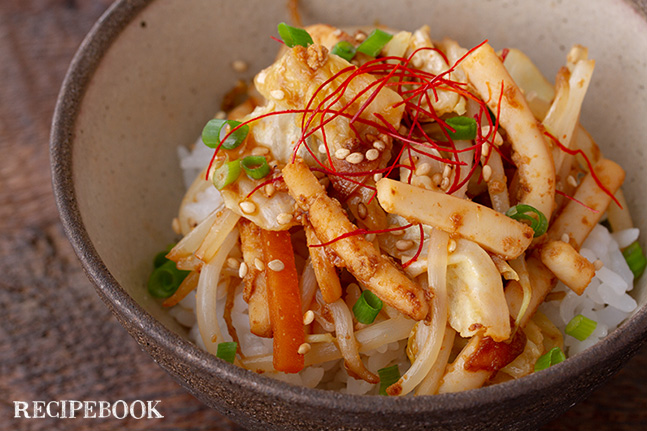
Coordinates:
57	340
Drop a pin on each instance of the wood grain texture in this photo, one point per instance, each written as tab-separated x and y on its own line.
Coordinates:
57	340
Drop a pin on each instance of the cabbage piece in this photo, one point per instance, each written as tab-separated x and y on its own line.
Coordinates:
475	290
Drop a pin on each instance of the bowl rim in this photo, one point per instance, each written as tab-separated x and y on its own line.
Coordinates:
621	343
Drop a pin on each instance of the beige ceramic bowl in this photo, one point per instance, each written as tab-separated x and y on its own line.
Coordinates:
151	73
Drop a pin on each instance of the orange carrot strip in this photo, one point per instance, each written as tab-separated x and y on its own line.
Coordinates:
284	299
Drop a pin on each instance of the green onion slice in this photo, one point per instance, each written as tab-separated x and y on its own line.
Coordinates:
554	356
217	129
580	327
227	351
367	307
520	212
388	376
465	128
344	49
374	43
226	174
635	258
293	36
255	167
165	280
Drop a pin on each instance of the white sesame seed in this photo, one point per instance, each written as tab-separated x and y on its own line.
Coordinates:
571	180
423	182
239	66
444	184
447	171
322	149
423	169
396	232
451	246
221	115
377	177
566	238
355	158
487	173
284	218
242	270
304	348
370	237
259	264
260	78
232	263
384	138
309	317
360	36
342	153
277	94
598	264
269	190
372	154
437	178
362	211
379	145
247	207
260	151
404	244
276	265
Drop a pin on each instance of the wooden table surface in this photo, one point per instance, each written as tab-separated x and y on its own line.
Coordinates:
57	339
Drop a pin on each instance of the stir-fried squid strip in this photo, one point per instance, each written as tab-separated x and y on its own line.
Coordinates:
207	295
347	342
457	378
504	236
369	338
255	293
531	155
431	382
580	215
429	336
375	271
216	235
571	85
325	271
186	287
619	218
570	267
284	299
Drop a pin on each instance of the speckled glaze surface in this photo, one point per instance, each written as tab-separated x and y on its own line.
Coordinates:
149	75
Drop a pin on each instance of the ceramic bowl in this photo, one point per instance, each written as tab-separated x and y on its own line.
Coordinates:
152	72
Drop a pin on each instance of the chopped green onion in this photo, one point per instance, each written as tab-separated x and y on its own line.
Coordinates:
217	129
554	356
255	167
635	258
519	212
465	128
388	376
367	307
580	327
165	280
344	49
293	36
227	351
374	43
160	258
226	174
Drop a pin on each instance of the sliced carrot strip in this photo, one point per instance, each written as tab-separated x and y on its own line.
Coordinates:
284	299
